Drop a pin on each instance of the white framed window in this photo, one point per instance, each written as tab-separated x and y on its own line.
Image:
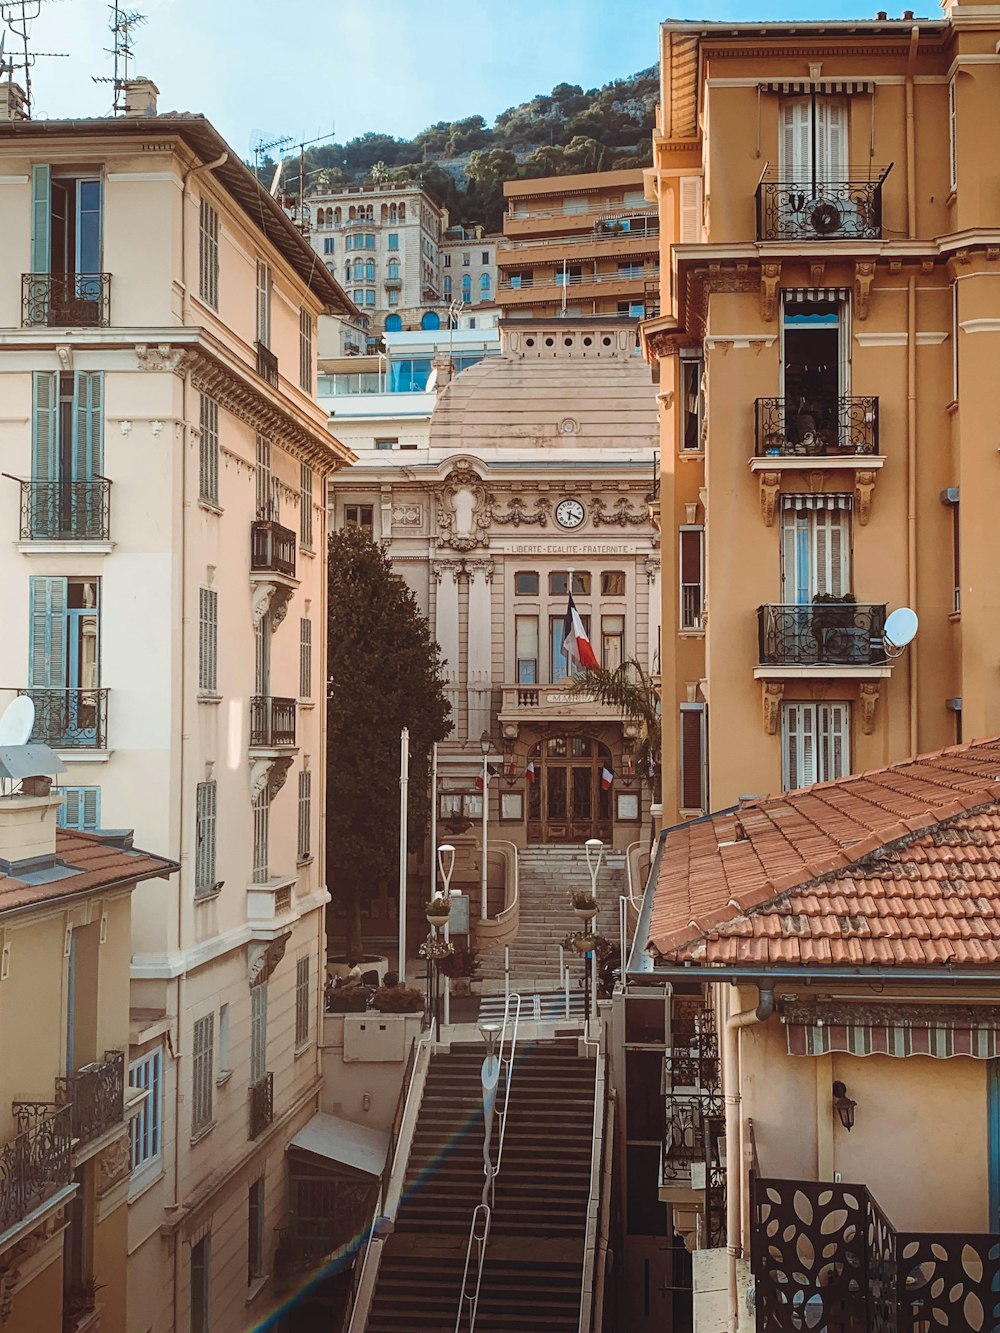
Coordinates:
202	1062
306	505
261	822
208	255
258	1031
813	142
147	1073
815	743
952	136
208	451
693	751
206	797
81	808
305	350
305	814
302	1001
305	657
815	547
208	639
692	580
264	282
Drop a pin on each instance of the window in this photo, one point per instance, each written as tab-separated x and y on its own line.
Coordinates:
466	287
484	286
557	631
815	743
199	1286
393	240
255	1232
952	137
813	142
206	798
305	351
369	298
203	1043
815	547
691	404
81	808
460	805
261	821
64	656
258	1031
634	309
208	255
387	443
447	286
262	656
147	1073
949	497
393	295
526	647
263	303
522	279
302	1001
360	516
692	557
612	641
567	275
559	580
305	814
694	757
328	244
305	505
208	639
392	270
208	451
465	259
225	1067
613	583
370	270
393	323
486	256
268	495
359	270
67	447
66	225
430	320
526	582
305	657
447	261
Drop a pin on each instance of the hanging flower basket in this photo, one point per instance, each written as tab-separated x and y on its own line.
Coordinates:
437	911
436	949
584	904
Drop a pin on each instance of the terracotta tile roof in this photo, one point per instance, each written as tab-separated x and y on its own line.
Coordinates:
99	865
899	866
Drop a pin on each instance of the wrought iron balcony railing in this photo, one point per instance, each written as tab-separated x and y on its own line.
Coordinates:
817	426
65	510
272	548
261	1104
96	1096
66	300
810	209
272	721
267	365
821	634
70	719
36	1162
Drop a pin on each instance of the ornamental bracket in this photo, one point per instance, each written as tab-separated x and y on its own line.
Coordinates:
864	273
868	696
770	484
770	276
773	691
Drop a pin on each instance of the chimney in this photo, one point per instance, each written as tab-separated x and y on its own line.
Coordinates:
445	368
140	98
27	832
13	102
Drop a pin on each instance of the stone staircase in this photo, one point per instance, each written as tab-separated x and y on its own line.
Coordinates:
534	1261
545	877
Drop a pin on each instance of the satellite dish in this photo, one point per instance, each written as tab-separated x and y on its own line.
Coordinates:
432	380
900	629
17	720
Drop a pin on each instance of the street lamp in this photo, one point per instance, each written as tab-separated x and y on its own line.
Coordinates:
490	1077
594	849
485	741
446	865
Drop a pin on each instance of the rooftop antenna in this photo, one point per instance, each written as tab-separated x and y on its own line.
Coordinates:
19	15
303	217
262	147
122	22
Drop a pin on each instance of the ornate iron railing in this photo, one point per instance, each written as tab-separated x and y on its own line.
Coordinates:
272	548
693	1108
261	1104
66	300
36	1162
816	426
821	634
272	721
825	1256
96	1096
810	209
267	364
65	510
70	719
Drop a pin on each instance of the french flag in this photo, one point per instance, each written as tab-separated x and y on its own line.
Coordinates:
607	777
529	772
576	645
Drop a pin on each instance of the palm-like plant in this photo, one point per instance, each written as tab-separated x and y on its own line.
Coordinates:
630	689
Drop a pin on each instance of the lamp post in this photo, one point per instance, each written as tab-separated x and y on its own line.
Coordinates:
485	740
446	864
404	782
490	1077
594	849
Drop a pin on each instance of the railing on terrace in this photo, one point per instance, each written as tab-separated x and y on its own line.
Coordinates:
808	208
598	235
272	721
267	364
96	1096
65	300
261	1104
37	1162
70	719
612	214
822	634
817	426
272	548
65	510
553	698
572	280
694	1119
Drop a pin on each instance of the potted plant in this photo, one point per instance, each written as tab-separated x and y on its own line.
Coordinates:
461	967
584	903
437	910
79	1300
347	999
398	1000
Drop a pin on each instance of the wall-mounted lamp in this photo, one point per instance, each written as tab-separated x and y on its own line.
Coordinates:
843	1105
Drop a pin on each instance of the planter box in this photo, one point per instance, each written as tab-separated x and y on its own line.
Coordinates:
373	1037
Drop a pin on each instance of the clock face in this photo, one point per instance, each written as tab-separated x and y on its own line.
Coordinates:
569	513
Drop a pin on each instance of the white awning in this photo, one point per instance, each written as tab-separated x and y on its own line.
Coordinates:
342	1141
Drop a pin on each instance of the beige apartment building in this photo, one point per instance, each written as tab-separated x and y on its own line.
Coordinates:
579	245
164	592
825	352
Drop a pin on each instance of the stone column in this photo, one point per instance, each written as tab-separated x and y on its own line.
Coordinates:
446	626
480	645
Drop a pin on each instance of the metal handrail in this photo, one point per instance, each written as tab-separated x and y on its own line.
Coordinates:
509	907
588	1311
527	284
627	900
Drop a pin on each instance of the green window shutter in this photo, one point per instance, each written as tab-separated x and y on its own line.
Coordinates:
44	427
81	808
41	213
48	633
88	425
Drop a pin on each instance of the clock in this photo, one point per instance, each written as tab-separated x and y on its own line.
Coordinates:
569	513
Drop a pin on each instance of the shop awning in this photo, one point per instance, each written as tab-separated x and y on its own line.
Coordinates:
342	1142
939	1032
803	87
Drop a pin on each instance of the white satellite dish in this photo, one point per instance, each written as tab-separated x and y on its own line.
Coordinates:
900	629
17	720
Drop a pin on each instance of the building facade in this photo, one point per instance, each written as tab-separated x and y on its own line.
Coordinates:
828	321
165	593
579	245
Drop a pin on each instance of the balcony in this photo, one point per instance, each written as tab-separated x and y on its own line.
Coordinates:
551	703
267	364
65	511
261	1104
822	427
812	210
66	300
825	1256
272	548
272	722
95	1095
70	719
36	1163
822	634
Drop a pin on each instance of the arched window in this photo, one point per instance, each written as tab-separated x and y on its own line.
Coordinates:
370	271
370	213
351	213
393	323
332	268
359	270
430	320
484	286
347	272
393	269
337	216
466	287
447	286
384	212
402	212
393	214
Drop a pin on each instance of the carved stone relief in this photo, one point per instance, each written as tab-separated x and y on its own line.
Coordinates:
408	515
772	695
263	958
161	357
112	1165
622	514
518	514
464	511
270	773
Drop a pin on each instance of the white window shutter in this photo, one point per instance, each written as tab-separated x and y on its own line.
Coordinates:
795	143
690	228
831	138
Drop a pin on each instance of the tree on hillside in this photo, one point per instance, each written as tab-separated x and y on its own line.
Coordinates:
384	674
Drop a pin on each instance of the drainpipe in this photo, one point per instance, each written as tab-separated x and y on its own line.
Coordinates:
734	1166
911	384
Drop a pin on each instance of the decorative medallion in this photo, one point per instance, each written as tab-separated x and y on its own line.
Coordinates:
464	510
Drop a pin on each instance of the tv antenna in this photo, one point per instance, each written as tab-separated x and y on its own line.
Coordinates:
122	23
19	15
263	146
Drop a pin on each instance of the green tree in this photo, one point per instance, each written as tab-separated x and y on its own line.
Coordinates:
384	674
632	691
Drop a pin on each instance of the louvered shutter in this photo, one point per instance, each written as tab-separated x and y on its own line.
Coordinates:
832	726
88	424
795	147
205	826
48	633
45	427
798	734
692	759
208	639
796	583
831	138
305	658
41	215
89	808
690	228
258	1032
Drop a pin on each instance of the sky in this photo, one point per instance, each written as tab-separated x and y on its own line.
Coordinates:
264	68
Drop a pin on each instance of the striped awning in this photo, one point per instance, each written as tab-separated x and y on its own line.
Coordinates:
828	500
940	1033
815	293
803	87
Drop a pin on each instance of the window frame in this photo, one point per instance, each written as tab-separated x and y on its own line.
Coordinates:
208	451
691	610
208	640
305	657
304	811
206	832
303	1001
261	837
81	795
146	1129
202	1074
255	1231
700	712
201	1253
358	522
208	254
305	350
305	506
265	287
825	770
258	1032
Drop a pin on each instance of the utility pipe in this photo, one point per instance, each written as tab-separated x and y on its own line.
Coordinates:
911	385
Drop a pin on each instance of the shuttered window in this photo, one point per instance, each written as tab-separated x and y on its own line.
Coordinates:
208	639
815	742
305	350
694	757
258	1031
305	814
41	216
81	808
202	1072
690	227
952	137
305	658
815	547
147	1074
263	303
206	797
48	632
692	567
67	427
267	491
261	819
813	141
208	451
306	505
208	255
255	1231
302	1005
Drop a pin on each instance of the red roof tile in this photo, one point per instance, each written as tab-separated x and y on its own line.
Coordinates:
900	865
99	865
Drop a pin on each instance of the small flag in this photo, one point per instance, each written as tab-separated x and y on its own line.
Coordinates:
492	772
479	782
607	777
512	768
576	644
529	772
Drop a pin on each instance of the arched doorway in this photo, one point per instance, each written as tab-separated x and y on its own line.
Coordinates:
568	801
430	320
